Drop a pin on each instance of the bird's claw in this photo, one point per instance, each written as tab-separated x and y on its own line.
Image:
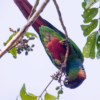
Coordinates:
63	67
65	42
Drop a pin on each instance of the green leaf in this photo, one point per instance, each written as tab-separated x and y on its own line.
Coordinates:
89	48
13	51
28	34
98	54
11	37
98	42
89	3
83	4
60	92
89	14
89	28
26	96
49	97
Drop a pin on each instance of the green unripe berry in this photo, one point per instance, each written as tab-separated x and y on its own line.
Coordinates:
32	45
55	78
4	43
18	29
57	87
28	49
31	49
60	92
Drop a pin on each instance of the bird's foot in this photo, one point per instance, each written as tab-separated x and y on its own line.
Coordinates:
63	67
65	42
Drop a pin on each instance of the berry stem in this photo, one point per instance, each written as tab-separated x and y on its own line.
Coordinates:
45	88
49	83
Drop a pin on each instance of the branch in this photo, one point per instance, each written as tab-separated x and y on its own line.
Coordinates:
33	9
64	28
24	29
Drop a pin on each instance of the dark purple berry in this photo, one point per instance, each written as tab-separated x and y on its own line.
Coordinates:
19	52
26	53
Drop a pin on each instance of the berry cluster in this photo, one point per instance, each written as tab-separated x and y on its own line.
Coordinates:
24	46
58	76
59	88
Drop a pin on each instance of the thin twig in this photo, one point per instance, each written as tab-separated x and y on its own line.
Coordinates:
64	28
66	55
45	88
49	83
31	14
24	29
33	9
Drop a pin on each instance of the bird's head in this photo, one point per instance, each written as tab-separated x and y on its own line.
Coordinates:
75	77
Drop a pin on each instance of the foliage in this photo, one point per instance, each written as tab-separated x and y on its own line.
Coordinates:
92	37
29	96
21	44
26	96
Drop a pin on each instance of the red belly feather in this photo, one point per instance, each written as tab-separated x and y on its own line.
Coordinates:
55	47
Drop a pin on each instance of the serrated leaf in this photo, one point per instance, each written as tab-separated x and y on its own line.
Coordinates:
49	97
89	3
89	28
98	42
89	14
28	34
13	51
89	48
26	96
98	54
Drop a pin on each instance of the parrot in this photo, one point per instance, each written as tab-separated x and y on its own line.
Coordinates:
54	43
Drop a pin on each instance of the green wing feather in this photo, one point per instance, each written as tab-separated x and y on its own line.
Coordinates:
47	33
78	51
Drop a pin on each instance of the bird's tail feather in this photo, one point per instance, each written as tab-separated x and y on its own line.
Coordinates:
25	7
